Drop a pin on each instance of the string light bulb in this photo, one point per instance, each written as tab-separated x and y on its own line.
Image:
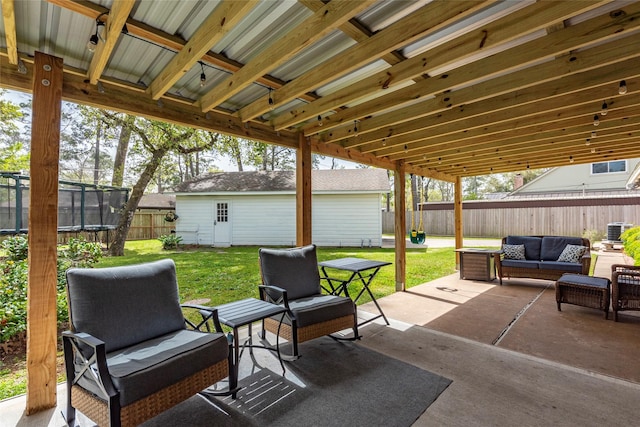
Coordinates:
605	109
570	159
596	120
355	127
588	142
203	76
319	120
594	134
270	99
92	44
623	87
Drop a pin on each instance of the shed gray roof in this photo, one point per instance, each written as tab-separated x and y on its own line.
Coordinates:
157	201
331	180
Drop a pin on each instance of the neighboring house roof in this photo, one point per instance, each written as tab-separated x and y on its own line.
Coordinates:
157	201
633	183
578	181
326	180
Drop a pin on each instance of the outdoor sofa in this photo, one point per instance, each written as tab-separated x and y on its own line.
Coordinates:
543	257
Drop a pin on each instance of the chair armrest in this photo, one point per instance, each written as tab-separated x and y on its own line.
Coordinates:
585	260
274	294
624	267
207	313
87	353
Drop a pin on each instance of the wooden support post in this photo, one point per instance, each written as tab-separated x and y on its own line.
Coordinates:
42	319
457	212
400	225
303	192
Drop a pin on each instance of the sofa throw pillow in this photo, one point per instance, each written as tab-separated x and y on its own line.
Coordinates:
513	251
572	253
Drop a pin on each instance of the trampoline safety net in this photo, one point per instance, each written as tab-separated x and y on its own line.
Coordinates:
81	207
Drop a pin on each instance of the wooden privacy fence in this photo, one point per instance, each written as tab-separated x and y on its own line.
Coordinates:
145	225
571	217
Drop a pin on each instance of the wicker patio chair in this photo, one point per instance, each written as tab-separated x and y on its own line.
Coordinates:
291	277
130	355
625	288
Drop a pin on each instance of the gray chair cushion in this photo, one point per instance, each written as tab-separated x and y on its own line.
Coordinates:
517	263
147	367
531	245
295	270
563	266
552	246
320	308
136	303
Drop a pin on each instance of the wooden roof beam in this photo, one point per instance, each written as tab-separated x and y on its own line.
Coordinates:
625	149
9	20
117	18
549	145
322	22
170	41
589	87
427	20
599	29
505	29
226	14
579	125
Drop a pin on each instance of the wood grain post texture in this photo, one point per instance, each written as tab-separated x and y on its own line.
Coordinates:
43	227
303	192
457	213
400	225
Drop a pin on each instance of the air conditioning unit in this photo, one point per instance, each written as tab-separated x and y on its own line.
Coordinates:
615	229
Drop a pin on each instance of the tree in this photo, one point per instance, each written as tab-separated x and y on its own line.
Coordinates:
154	141
14	147
85	138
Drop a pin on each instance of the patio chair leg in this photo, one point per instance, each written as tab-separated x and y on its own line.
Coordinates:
69	415
559	306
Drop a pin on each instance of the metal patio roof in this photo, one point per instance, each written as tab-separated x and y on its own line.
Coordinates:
450	88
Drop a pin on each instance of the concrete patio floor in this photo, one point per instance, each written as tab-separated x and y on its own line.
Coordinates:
513	358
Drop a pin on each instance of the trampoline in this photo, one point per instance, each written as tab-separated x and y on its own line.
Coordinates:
81	207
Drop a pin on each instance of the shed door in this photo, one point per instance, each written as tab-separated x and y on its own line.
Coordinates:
222	223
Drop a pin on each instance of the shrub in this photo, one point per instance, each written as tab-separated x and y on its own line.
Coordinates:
594	235
13	281
170	241
80	253
631	241
13	299
16	248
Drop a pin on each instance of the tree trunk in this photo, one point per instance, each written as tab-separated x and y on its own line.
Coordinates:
96	163
414	193
121	152
120	235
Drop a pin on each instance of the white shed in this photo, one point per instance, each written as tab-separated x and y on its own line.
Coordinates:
259	208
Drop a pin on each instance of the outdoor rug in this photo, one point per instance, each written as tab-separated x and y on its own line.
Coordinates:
332	384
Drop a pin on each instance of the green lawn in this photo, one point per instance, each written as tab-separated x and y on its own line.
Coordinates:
227	274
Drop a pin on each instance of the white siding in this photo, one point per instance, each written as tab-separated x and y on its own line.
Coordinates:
195	222
579	178
264	220
347	220
338	220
